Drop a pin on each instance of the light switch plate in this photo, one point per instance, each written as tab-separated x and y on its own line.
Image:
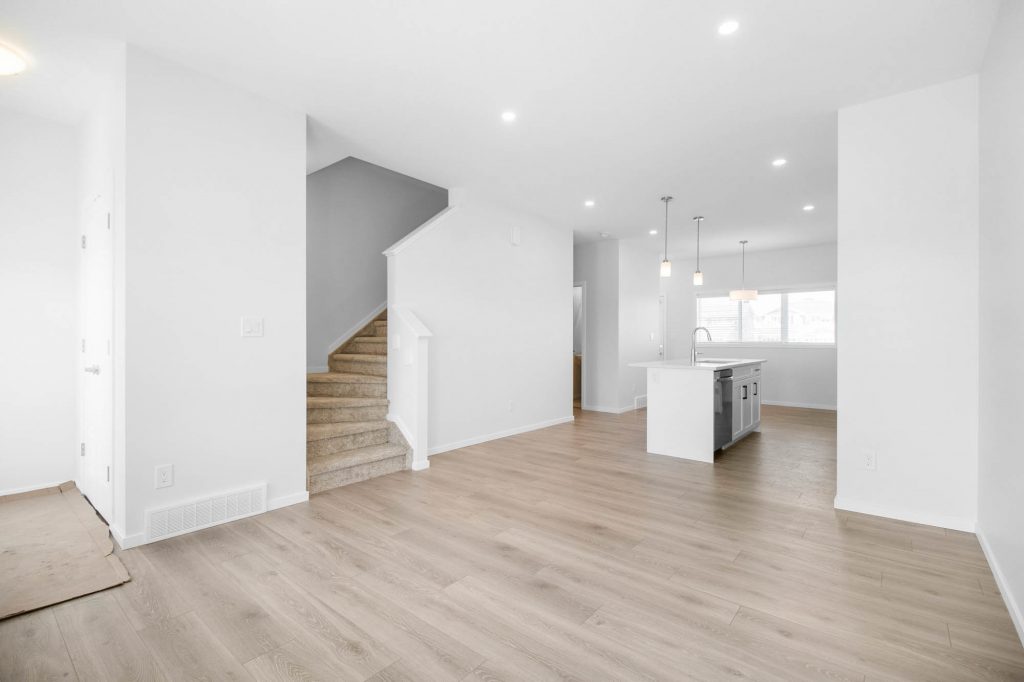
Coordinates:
165	476
252	326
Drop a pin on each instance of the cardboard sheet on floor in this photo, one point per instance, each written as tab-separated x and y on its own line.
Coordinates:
53	547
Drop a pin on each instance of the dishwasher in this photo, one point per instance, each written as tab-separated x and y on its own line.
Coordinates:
723	408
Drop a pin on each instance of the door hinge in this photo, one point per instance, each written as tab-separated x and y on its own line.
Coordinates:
108	474
83	450
83	241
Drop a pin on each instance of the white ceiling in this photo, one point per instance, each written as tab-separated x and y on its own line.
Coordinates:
617	101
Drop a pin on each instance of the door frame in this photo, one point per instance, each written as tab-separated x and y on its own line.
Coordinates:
583	344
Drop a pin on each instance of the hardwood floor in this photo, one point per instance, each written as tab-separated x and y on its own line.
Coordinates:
566	553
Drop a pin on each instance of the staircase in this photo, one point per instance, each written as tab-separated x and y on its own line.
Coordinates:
348	438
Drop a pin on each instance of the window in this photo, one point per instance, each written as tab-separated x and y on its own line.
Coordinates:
775	317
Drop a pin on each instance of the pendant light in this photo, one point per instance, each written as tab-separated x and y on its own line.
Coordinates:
698	276
744	294
666	266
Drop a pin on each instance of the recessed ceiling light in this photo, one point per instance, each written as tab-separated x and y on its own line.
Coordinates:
10	61
589	203
779	163
809	207
605	235
727	28
508	116
653	232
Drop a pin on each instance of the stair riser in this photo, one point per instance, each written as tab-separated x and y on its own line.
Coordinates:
374	369
343	390
355	474
380	328
329	446
330	415
367	348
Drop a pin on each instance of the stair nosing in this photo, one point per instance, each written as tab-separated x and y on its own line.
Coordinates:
341	377
342	429
356	457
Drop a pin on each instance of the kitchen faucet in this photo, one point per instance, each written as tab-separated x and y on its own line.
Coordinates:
693	343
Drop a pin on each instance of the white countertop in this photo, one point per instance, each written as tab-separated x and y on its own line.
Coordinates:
710	364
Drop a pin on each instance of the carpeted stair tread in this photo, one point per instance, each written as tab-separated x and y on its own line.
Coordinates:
316	432
328	402
361	357
345	378
372	339
352	458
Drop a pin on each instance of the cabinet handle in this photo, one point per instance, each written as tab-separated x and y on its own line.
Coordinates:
745	392
755	388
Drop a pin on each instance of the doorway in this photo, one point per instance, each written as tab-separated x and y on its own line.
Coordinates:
579	342
97	381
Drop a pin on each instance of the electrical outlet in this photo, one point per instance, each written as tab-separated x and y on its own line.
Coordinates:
165	476
252	326
871	460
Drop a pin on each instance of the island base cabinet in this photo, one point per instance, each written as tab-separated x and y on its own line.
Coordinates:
746	402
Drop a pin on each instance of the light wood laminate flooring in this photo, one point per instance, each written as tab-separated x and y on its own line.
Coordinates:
565	553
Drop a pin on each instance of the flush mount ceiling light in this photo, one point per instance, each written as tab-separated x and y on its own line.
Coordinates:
779	163
653	232
11	62
809	207
727	28
589	203
743	293
698	276
666	266
508	116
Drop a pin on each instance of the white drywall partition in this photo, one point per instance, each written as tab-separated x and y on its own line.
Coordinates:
354	211
1000	446
214	232
38	302
908	317
494	287
596	264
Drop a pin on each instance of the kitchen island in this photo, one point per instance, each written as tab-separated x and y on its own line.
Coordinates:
694	409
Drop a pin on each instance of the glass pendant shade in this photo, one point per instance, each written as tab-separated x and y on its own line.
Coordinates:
698	278
666	268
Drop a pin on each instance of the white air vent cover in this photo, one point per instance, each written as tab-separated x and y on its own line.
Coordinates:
208	511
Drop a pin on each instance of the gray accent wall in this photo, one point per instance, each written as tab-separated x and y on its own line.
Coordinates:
355	210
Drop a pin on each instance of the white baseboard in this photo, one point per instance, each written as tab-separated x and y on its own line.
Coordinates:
605	408
913	516
32	488
288	500
126	541
500	434
808	406
1009	598
356	327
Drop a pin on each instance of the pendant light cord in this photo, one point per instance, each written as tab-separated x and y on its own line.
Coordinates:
666	200
743	270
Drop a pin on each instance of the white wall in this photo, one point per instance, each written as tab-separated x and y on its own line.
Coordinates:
214	230
38	302
501	316
1000	444
354	211
639	283
908	273
799	376
597	265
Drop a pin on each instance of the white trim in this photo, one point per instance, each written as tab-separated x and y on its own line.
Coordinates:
126	541
605	408
404	243
33	488
913	516
500	434
352	331
287	500
808	406
415	465
1016	615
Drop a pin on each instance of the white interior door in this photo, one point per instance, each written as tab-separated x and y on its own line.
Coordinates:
97	385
